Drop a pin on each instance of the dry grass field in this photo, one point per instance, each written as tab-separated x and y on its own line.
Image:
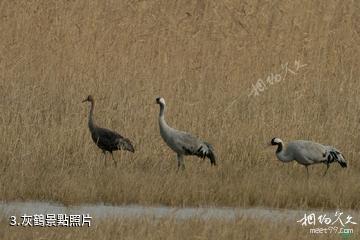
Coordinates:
168	228
203	57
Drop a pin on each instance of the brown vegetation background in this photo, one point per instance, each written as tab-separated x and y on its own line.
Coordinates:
203	57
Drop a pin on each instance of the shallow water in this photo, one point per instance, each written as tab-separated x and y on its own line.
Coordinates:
97	211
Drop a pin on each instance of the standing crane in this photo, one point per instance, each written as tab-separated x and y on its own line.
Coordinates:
307	153
106	139
183	143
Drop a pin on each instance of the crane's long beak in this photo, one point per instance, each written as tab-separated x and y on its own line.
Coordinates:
84	100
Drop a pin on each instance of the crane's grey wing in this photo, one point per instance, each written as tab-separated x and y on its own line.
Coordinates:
187	142
316	152
192	145
332	155
308	151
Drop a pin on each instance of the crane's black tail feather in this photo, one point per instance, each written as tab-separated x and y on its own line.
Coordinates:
204	151
335	155
126	144
211	154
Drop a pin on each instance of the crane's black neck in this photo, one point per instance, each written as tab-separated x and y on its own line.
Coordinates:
280	147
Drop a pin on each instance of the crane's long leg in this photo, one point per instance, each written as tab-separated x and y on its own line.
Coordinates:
180	160
307	171
327	168
104	157
114	159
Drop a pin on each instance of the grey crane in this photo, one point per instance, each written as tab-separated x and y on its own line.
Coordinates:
307	153
106	139
183	143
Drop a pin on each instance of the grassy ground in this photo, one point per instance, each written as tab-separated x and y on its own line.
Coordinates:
203	57
167	228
